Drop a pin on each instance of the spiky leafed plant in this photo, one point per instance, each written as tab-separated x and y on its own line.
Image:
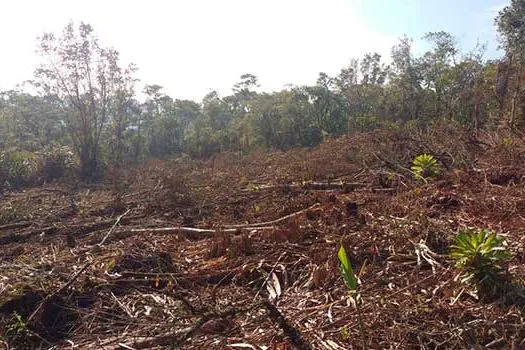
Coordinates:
480	254
425	165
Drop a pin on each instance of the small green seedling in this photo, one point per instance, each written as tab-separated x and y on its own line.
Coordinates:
17	327
351	283
346	271
425	166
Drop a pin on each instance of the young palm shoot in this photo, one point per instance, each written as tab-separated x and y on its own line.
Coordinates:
351	283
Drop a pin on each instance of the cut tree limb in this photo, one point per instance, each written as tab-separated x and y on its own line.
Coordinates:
180	336
314	186
232	228
15	225
229	228
205	231
113	227
288	328
273	222
60	290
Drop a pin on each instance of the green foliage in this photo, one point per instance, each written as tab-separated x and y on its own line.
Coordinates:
104	123
512	27
23	168
16	327
351	283
425	166
19	168
75	61
479	253
346	270
56	162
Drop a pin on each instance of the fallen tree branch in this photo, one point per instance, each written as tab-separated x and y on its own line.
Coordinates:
23	224
312	186
232	228
273	222
342	186
60	290
205	231
25	236
81	229
288	329
113	227
180	336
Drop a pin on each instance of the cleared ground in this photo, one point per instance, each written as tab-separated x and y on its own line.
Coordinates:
240	251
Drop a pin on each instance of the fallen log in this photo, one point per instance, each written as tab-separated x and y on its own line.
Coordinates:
26	236
204	231
231	228
288	328
341	186
311	186
80	229
273	222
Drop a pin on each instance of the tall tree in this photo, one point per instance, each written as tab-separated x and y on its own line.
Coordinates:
405	83
511	27
87	80
437	70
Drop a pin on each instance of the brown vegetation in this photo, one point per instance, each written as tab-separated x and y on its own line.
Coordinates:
240	252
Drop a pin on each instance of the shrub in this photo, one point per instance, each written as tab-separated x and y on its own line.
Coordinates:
425	165
57	162
480	254
19	168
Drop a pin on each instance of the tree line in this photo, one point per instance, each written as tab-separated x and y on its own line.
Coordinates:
88	101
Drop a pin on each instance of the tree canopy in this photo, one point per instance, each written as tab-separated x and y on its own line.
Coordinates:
87	100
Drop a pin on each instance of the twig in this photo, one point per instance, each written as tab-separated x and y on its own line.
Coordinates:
113	227
268	277
273	222
60	290
180	336
15	225
397	166
288	329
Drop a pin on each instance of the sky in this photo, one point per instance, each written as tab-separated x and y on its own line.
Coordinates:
192	47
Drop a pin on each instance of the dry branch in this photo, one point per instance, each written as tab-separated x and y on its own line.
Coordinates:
15	225
204	231
288	329
113	227
273	222
181	335
60	290
314	186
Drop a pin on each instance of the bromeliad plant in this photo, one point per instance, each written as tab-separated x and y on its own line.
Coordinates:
351	283
425	166
480	254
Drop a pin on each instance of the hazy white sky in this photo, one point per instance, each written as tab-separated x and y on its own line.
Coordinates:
194	46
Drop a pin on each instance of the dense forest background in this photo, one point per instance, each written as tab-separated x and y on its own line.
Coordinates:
86	113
